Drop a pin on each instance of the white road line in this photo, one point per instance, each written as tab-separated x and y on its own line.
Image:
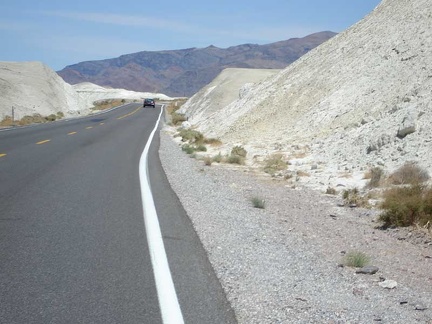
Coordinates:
168	302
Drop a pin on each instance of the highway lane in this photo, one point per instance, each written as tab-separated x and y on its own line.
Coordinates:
72	243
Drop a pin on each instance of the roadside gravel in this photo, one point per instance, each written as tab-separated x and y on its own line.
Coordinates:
281	264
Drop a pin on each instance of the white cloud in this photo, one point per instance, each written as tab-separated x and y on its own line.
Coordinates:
121	20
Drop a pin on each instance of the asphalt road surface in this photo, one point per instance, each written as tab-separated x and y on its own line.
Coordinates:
73	247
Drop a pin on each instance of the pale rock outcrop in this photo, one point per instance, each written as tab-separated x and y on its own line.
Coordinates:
227	87
361	99
32	87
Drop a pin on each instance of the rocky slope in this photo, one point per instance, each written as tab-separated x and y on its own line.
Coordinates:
223	90
184	72
32	87
359	100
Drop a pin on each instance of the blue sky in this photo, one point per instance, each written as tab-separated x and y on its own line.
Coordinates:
61	33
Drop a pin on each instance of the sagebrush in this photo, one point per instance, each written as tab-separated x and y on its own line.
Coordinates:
407	206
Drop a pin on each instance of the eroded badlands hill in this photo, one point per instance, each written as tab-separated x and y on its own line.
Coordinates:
32	87
361	99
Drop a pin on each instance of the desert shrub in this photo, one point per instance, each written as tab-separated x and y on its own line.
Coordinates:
213	141
235	159
191	136
51	118
274	163
331	191
208	160
177	118
201	148
356	259
239	151
217	158
301	173
353	197
34	119
188	149
406	206
409	173
258	202
376	175
60	114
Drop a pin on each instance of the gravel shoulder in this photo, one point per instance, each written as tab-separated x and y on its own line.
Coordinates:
281	264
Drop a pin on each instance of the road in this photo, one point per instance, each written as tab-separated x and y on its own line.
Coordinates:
73	246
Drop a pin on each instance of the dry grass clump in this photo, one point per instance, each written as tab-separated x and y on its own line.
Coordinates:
407	206
177	118
301	173
274	163
356	259
191	136
375	176
172	108
213	141
352	197
331	191
107	103
33	119
208	160
409	173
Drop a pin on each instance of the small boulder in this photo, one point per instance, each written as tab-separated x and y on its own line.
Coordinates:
186	125
408	126
388	284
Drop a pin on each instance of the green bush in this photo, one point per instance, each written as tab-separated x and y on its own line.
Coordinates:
274	163
406	206
188	149
239	151
217	158
191	136
235	159
51	118
356	259
258	202
201	148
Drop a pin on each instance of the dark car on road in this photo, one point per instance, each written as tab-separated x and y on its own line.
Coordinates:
149	102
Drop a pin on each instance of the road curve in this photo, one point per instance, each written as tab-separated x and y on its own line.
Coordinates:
73	247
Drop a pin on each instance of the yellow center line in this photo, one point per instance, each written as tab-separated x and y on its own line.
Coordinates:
71	133
89	127
133	112
2	154
43	142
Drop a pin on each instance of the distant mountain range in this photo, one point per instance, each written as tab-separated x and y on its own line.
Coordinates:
184	72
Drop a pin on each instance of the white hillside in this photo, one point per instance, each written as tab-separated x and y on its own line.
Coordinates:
227	87
32	87
91	92
362	98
